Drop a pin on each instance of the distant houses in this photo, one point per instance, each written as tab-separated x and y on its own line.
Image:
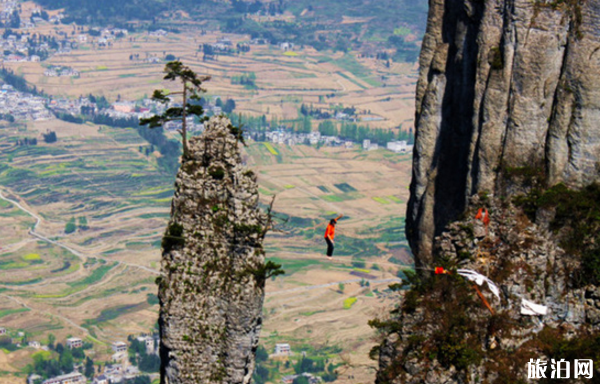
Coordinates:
401	146
102	379
119	347
71	378
311	379
74	342
60	71
283	349
149	342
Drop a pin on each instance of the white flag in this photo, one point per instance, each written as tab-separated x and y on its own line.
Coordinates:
532	309
479	279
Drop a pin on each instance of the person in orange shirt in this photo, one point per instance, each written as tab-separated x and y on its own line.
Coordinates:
330	234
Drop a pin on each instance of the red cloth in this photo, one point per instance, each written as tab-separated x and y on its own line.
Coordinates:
483	215
479	213
439	271
486	218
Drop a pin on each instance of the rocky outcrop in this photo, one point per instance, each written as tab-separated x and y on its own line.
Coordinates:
212	288
507	118
504	84
444	334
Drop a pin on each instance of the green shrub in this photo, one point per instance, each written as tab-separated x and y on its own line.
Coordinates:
173	238
495	59
217	173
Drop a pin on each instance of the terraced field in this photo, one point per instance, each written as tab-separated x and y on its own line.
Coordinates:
98	282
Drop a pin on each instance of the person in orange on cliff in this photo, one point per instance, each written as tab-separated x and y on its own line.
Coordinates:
484	216
330	234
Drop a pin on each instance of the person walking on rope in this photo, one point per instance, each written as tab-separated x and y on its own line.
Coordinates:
330	234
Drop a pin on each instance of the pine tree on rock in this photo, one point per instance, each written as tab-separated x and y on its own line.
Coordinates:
191	84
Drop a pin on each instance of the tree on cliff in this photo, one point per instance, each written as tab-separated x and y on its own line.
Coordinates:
191	86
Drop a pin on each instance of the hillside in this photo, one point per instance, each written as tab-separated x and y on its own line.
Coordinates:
368	26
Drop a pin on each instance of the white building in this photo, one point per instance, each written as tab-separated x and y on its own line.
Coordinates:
2	331
399	146
283	349
148	341
366	144
32	378
74	342
35	344
119	346
100	380
71	378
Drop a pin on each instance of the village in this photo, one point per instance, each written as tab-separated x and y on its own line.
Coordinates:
134	361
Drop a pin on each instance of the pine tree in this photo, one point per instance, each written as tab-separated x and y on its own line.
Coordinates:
191	86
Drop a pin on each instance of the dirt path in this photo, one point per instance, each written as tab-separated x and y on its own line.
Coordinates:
80	255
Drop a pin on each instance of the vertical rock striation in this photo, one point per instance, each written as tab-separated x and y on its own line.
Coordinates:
212	290
504	84
507	119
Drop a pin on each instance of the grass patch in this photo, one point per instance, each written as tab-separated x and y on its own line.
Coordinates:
381	200
349	302
323	188
32	257
271	149
290	53
292	266
351	80
394	199
345	187
7	312
114	312
127	75
289	186
95	276
342	197
402	31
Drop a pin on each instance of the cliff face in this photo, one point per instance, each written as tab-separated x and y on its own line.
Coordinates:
507	119
211	291
504	84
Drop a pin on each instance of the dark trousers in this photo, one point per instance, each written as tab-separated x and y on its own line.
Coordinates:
329	246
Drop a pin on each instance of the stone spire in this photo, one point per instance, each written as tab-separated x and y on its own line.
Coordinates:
212	289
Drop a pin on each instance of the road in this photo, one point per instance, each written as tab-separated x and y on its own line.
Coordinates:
80	255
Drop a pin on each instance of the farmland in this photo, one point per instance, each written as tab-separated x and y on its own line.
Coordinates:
102	290
96	282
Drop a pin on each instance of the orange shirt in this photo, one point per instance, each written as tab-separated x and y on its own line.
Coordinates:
330	231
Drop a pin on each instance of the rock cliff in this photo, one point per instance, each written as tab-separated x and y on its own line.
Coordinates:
503	84
212	288
507	119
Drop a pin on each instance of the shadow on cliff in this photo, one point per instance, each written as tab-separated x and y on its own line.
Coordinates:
453	144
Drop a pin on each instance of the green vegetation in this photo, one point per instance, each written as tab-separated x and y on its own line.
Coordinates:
349	63
345	187
349	302
496	59
6	312
576	221
93	278
266	271
70	227
191	87
173	238
271	149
